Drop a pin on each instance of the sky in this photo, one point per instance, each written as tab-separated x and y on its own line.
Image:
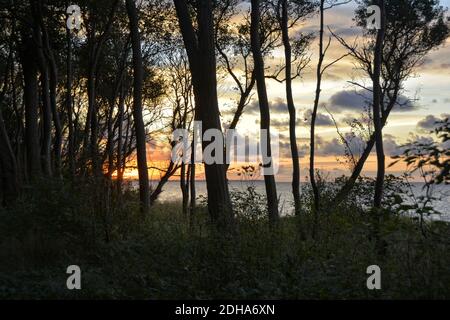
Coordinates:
428	88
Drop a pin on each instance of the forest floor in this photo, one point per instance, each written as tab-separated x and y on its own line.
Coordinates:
122	256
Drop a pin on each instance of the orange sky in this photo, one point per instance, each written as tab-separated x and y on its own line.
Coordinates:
332	165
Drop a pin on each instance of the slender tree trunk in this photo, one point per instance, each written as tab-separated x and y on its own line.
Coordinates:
162	182
291	107
144	187
242	102
46	108
90	143
8	166
184	186
93	121
202	59
28	54
57	145
9	183
120	141
193	197
17	144
69	103
126	142
312	170
377	105
269	179
52	72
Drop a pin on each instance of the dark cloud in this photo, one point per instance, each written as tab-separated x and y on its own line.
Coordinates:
276	106
322	120
391	147
285	150
329	148
347	31
429	122
281	124
335	147
357	100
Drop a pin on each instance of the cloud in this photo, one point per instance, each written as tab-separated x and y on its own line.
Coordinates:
335	147
357	100
391	147
429	122
322	120
282	124
329	148
276	106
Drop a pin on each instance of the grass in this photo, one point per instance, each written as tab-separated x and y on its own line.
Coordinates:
163	257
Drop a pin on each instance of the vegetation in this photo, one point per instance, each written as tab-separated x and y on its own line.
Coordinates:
165	257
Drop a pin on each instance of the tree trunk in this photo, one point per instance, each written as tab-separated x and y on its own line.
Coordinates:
291	108
312	151
8	166
53	83
69	108
57	145
202	59
269	179
193	197
377	105
144	187
92	119
120	141
28	54
9	183
90	142
46	108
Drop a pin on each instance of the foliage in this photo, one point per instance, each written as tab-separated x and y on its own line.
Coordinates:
54	226
430	158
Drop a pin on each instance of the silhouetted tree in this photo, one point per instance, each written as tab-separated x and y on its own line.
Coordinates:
269	179
144	187
200	48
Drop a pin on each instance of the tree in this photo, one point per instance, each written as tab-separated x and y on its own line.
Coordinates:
69	102
269	179
377	98
412	30
29	66
144	186
301	9
430	158
51	70
95	47
200	48
9	184
320	70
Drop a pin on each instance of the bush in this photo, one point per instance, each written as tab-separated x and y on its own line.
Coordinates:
166	257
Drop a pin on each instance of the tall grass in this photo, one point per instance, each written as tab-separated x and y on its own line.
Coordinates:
165	257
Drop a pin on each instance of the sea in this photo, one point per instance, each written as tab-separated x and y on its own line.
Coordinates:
171	192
